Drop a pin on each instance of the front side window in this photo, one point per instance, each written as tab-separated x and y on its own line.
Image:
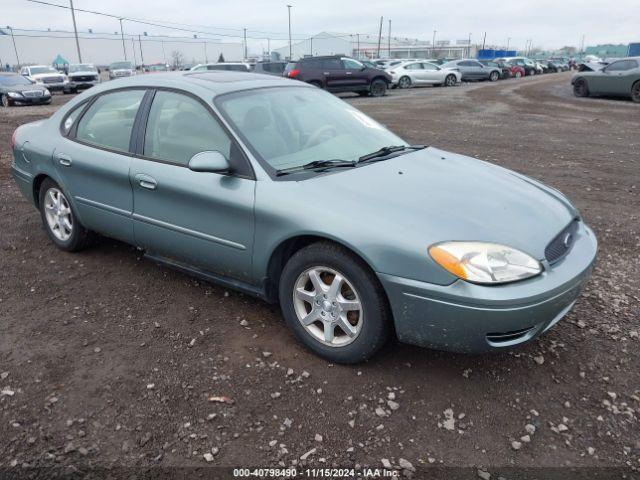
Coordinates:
179	127
413	66
350	64
289	127
109	120
429	66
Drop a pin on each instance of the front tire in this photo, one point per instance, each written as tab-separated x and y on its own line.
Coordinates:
580	88
378	88
450	81
6	103
334	303
518	75
404	82
59	219
494	77
635	92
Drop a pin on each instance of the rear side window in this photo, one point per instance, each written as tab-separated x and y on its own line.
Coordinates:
179	127
71	118
332	64
109	120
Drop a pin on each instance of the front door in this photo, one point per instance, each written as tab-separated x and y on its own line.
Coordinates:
355	73
199	218
94	160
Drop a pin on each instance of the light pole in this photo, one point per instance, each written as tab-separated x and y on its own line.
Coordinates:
245	44
508	40
469	47
389	40
15	49
433	44
141	54
290	47
124	48
75	30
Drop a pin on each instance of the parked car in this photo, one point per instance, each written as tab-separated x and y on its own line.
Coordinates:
121	69
411	74
527	65
81	76
620	78
18	90
474	70
515	71
290	194
225	66
156	68
505	70
47	76
270	68
336	73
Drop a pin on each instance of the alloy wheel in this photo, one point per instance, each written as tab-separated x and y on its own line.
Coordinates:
450	81
405	82
58	214
328	306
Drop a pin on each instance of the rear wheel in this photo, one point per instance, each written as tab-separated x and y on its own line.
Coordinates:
378	88
6	102
494	76
59	219
580	88
450	80
334	303
404	82
635	92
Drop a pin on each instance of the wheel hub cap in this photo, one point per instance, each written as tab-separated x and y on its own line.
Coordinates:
58	214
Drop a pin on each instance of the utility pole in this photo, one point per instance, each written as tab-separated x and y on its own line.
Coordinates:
245	43
141	54
269	48
75	30
15	49
389	39
380	36
469	47
433	44
290	48
311	47
508	40
164	55
484	40
206	58
124	49
358	38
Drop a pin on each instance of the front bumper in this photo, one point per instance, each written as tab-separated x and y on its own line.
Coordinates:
80	84
465	317
31	100
55	87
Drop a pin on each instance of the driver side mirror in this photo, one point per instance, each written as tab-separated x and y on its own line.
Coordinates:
209	161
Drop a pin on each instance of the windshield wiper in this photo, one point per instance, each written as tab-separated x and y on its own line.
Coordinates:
316	164
384	151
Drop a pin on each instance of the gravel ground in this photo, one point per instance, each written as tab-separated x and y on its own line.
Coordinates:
107	360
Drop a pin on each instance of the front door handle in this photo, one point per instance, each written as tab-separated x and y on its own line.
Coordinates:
64	159
145	181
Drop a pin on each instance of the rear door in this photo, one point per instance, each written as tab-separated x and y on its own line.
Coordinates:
198	218
94	160
432	74
415	72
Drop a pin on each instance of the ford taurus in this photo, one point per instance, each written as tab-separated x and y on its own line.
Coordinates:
283	191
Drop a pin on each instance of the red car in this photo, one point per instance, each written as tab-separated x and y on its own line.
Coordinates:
516	70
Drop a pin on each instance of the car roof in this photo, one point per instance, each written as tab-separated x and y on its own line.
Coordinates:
217	82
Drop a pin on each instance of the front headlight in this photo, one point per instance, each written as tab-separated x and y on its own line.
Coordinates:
46	92
486	263
14	94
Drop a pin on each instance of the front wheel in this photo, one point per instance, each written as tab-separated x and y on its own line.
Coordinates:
518	75
404	82
635	92
59	219
494	76
378	88
334	303
450	81
580	88
5	101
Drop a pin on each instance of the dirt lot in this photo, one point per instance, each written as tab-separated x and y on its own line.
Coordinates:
108	360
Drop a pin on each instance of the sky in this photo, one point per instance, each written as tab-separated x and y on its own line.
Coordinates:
548	23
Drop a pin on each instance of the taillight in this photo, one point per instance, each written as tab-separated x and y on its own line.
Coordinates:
13	139
294	73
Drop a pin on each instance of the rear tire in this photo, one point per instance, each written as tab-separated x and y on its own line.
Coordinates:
305	293
635	92
378	88
450	81
581	88
494	76
59	219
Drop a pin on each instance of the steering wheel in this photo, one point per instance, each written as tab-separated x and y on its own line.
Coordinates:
322	134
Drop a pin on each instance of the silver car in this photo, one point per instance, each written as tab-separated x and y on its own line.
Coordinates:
412	73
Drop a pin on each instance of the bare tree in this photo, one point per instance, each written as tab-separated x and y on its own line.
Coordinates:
177	59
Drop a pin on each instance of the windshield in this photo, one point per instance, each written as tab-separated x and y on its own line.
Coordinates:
39	70
14	80
290	127
121	66
82	68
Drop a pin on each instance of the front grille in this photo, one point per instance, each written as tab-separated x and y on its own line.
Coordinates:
562	243
84	78
52	80
32	93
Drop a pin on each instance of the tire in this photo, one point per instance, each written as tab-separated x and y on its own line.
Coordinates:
71	239
494	76
635	92
6	102
580	88
378	88
370	325
404	82
450	81
518	75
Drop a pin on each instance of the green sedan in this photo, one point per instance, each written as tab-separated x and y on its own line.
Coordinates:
285	192
619	79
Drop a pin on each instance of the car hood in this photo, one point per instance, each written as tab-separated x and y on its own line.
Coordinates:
434	196
45	75
83	73
22	88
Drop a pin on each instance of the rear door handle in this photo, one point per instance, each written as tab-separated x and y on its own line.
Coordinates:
145	181
64	159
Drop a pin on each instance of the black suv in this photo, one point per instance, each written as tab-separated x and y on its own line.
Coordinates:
340	74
